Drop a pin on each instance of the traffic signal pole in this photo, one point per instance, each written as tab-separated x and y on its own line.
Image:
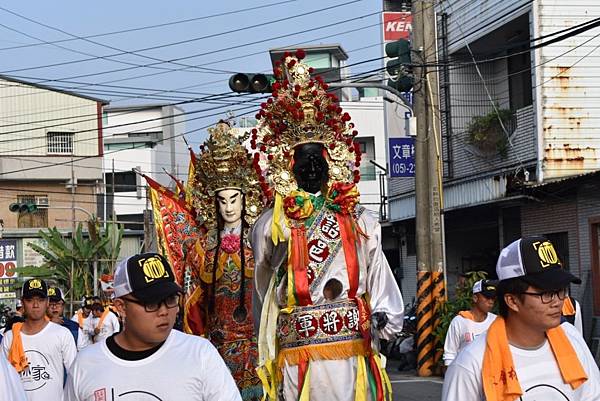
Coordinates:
428	186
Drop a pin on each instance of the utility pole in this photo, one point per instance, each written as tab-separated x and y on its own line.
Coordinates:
72	275
428	189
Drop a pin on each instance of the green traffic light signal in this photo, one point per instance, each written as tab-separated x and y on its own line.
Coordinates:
399	66
251	83
23	207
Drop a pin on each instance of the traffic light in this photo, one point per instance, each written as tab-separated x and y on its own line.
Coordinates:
399	67
251	83
23	207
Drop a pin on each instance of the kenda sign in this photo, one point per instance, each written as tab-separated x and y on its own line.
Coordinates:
396	25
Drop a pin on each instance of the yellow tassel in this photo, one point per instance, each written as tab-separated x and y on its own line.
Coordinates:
266	374
384	377
276	229
337	350
361	380
305	393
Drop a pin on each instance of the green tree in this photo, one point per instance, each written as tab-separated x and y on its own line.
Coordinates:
61	255
448	310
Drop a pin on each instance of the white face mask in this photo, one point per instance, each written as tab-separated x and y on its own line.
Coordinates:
230	206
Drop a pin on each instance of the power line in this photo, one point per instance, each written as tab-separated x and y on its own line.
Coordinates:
242	29
154	26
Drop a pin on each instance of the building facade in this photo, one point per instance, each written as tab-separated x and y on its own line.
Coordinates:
149	139
523	64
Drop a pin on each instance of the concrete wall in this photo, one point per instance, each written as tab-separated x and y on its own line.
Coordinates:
58	196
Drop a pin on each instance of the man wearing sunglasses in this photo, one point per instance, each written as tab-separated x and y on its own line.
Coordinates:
148	359
527	353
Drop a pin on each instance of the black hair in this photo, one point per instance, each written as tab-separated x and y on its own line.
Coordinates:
516	286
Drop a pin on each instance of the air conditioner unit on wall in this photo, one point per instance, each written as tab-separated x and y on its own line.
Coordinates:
41	201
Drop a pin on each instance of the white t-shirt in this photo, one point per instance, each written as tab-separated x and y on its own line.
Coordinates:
110	325
49	352
462	332
11	388
537	371
88	327
185	368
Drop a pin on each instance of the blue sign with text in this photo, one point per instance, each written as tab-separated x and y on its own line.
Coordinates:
402	157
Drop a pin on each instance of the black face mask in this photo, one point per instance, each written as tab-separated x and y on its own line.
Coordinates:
310	167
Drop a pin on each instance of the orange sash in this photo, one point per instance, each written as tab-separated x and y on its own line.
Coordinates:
16	354
500	381
80	318
467	314
101	321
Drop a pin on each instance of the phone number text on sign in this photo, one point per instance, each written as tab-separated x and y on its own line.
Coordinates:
402	157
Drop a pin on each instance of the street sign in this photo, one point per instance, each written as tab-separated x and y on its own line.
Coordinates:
396	25
402	157
8	264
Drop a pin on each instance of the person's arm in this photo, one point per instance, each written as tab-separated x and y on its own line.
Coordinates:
217	382
452	341
461	384
6	343
69	350
70	393
10	382
385	296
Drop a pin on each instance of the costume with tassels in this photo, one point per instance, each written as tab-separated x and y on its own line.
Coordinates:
219	299
320	271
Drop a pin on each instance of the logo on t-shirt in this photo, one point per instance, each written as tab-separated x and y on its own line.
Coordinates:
37	373
137	395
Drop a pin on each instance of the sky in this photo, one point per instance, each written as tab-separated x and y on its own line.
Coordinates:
115	51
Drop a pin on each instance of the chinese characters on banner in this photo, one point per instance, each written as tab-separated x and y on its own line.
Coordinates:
8	263
402	157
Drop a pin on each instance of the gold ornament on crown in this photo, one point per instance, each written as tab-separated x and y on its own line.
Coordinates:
301	111
224	163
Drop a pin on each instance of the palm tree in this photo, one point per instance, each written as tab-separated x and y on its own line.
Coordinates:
76	255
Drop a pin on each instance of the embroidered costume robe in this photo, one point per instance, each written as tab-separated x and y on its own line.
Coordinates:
231	333
318	349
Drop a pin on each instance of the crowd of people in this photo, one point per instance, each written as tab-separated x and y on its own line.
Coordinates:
285	290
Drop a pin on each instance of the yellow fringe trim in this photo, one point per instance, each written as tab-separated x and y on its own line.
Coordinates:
336	350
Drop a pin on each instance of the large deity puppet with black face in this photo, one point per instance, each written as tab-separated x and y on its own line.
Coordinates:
219	306
320	272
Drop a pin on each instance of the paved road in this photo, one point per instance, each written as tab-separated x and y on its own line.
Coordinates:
407	386
412	388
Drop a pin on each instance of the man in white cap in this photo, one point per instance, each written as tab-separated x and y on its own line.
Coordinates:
148	359
469	324
527	354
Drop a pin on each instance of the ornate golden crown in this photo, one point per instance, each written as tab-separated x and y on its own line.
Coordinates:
224	163
301	111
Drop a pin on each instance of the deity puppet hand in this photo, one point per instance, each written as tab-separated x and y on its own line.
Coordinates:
310	167
379	320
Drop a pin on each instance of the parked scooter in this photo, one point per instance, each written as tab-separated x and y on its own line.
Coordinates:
403	347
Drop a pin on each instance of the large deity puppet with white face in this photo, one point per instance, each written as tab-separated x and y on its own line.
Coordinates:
219	304
320	272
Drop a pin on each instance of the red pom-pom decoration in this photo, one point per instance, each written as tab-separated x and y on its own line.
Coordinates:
300	54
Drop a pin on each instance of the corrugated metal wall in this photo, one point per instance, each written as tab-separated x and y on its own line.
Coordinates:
569	73
28	113
555	215
475	18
